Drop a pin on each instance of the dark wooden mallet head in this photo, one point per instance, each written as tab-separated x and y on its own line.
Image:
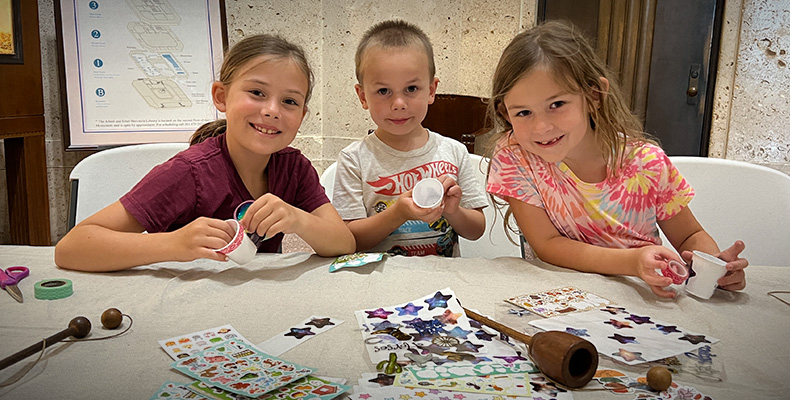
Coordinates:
79	327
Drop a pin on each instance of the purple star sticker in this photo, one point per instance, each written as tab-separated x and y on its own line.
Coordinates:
299	333
380	313
666	329
640	320
623	339
577	332
438	300
694	339
320	322
408	309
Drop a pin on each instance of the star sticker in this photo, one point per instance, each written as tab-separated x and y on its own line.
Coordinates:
577	332
380	313
299	333
364	396
511	359
520	313
483	335
640	320
420	394
438	300
694	339
448	317
619	324
475	324
628	355
320	322
405	397
408	309
613	310
468	346
459	333
384	325
623	339
666	329
383	379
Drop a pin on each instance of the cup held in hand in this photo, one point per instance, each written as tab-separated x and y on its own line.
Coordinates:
675	270
704	275
428	193
240	249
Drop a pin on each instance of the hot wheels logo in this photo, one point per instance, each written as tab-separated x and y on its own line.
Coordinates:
404	181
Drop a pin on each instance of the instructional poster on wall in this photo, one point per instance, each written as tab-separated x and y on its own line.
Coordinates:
139	71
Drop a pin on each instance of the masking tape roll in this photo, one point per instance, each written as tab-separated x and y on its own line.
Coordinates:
53	289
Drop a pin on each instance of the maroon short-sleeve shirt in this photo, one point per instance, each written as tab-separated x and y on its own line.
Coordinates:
201	181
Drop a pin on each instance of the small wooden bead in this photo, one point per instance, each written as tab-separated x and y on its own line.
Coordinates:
659	378
111	318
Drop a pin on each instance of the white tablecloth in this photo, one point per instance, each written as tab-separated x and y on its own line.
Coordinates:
275	292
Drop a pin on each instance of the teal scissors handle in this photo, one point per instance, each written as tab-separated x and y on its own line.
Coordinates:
12	275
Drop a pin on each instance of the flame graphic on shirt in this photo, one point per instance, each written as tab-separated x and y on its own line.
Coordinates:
395	185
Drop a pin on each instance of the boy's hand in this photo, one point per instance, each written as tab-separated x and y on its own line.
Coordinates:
452	194
651	258
270	215
410	211
200	238
735	278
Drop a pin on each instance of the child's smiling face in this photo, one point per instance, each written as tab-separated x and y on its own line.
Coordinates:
547	119
264	104
396	88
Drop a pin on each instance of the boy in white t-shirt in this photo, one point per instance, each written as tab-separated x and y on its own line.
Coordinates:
375	176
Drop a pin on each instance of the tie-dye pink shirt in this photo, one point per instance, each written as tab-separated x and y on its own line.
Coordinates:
618	213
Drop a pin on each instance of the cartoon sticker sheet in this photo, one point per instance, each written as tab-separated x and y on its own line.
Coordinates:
490	378
240	368
560	301
433	328
183	346
175	391
309	387
620	383
298	334
628	337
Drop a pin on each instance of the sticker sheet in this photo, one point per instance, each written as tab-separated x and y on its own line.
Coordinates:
434	326
176	391
620	383
490	378
183	346
628	337
298	334
309	387
552	303
355	260
240	368
702	363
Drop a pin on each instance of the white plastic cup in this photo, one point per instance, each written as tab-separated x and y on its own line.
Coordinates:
428	193
240	249
705	273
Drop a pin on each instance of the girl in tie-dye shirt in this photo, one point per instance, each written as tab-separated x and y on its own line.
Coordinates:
588	189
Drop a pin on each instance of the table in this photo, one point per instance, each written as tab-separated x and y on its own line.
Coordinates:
276	291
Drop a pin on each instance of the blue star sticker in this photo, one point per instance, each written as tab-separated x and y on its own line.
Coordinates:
299	333
577	332
438	300
408	309
623	339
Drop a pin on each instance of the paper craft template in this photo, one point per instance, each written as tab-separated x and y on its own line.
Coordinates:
298	334
620	383
175	391
309	387
560	301
183	346
434	326
628	337
490	378
240	368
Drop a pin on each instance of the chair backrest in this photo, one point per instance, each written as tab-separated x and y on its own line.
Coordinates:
737	200
494	242
459	117
102	178
328	179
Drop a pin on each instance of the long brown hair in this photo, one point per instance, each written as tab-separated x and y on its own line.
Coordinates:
238	56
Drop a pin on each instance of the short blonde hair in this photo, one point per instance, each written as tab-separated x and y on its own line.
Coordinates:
394	33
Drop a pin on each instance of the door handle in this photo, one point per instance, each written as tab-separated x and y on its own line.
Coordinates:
693	86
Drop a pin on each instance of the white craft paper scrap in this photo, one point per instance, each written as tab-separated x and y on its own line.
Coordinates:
183	346
632	338
299	333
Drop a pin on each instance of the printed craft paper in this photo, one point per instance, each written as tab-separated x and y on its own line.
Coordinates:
433	327
298	334
627	337
175	391
489	378
560	301
306	388
240	368
619	383
183	346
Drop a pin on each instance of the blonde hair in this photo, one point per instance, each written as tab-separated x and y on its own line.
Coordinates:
394	34
562	49
238	56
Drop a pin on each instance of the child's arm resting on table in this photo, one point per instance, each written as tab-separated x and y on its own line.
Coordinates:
550	246
112	240
322	228
686	235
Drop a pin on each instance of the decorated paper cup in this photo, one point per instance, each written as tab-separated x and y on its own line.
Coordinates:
428	193
675	270
241	249
241	209
705	272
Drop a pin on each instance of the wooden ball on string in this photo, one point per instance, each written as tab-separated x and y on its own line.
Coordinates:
111	318
659	378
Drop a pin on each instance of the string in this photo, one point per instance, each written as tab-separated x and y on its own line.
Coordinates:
131	322
27	369
774	292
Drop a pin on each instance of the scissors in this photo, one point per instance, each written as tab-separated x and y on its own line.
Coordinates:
9	279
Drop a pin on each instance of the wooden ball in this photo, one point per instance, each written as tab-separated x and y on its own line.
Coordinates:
111	318
659	378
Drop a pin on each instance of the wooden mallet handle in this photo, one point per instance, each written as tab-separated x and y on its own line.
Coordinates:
79	327
568	359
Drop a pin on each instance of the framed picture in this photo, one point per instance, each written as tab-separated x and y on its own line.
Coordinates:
138	71
10	32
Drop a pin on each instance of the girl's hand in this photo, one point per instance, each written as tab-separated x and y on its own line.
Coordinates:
200	238
408	210
270	215
452	194
735	278
651	258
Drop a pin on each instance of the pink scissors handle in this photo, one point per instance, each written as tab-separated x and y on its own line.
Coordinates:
12	275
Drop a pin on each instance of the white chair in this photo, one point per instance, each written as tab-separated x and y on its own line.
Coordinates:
737	200
328	179
494	242
102	178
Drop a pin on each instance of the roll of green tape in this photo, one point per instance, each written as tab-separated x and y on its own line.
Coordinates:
53	289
